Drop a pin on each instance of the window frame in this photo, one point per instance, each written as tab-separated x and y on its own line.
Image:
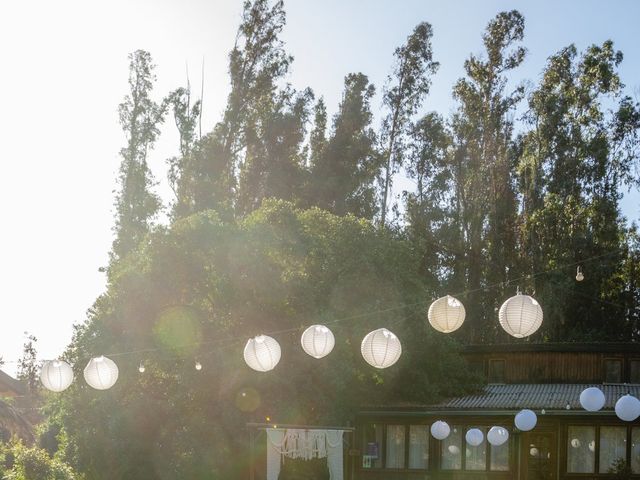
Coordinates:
493	361
596	463
618	360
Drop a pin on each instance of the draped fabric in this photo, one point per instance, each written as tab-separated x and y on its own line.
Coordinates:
304	444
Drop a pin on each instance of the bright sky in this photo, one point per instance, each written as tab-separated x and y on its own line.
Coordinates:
64	71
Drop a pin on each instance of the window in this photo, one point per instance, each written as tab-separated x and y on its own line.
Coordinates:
386	445
451	450
395	446
418	446
371	457
500	458
635	450
581	447
634	371
613	446
476	457
613	370
496	371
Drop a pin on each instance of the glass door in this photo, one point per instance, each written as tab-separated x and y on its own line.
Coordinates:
539	456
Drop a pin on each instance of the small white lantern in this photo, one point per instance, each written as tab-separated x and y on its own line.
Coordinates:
440	430
592	445
520	316
381	348
474	437
262	353
101	373
526	420
592	399
317	341
446	314
454	449
575	443
56	375
497	436
628	408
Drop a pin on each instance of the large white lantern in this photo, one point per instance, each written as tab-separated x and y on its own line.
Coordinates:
592	399
440	430
526	420
381	348
520	316
446	314
317	341
262	353
497	436
56	375
101	373
628	408
474	437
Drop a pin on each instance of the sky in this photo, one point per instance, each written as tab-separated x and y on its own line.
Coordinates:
64	71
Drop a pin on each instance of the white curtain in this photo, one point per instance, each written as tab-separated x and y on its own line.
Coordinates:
304	444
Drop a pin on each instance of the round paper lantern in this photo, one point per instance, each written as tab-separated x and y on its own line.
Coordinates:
454	449
526	420
262	353
440	430
474	437
101	373
520	316
575	443
592	399
592	445
56	375
446	314
628	408
497	436
381	348
534	452
317	341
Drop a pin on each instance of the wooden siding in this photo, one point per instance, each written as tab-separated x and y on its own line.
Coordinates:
551	367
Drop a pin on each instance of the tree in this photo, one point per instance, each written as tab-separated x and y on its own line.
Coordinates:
21	462
199	289
485	198
576	159
140	116
406	89
28	364
344	167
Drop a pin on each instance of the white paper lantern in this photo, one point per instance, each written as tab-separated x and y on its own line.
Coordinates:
575	443
56	375
446	314
534	452
474	437
317	341
381	348
101	373
628	408
526	420
454	449
262	353
497	436
440	430
520	316
592	399
592	445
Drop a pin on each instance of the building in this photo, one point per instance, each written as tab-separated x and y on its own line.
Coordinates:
394	442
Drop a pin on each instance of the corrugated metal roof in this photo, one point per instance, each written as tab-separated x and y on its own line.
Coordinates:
536	396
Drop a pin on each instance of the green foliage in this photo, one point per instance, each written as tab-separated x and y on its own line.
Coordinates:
28	365
279	269
20	462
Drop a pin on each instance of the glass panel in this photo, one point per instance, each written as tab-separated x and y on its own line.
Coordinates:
371	457
418	446
635	450
395	446
476	457
500	457
452	449
581	447
613	371
613	447
634	371
540	455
